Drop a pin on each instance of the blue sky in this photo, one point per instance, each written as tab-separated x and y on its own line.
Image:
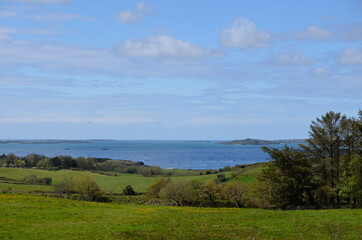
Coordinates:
176	69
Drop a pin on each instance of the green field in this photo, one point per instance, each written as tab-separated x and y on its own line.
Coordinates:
249	175
36	217
113	184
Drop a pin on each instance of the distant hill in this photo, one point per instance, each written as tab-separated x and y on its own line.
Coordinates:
250	141
42	141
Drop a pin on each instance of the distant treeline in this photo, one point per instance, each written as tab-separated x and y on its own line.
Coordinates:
80	163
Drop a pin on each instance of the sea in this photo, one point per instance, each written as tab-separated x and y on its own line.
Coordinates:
166	154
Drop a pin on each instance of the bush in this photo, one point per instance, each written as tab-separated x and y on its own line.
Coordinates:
128	190
32	179
85	187
181	193
64	188
234	193
155	188
221	177
211	192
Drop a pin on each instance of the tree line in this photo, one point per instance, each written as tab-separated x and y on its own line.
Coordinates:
80	163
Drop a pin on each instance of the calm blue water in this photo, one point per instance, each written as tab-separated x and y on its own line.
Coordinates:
166	154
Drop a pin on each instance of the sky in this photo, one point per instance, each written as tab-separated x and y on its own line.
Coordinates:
176	70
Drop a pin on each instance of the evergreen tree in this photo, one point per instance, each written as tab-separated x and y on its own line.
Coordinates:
286	182
325	147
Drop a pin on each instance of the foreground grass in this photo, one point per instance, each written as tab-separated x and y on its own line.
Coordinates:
108	183
36	217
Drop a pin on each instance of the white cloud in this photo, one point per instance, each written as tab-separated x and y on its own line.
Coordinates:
163	46
312	32
320	71
341	32
243	34
143	7
129	17
294	59
351	56
45	1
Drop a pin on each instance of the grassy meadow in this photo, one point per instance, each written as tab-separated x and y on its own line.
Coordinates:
113	184
24	215
37	217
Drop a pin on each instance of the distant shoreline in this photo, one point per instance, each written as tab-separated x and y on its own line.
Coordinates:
42	141
250	141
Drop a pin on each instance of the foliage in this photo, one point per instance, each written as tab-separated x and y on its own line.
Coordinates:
325	172
85	187
221	177
128	190
334	141
234	193
155	188
32	179
211	192
80	163
286	182
350	184
182	193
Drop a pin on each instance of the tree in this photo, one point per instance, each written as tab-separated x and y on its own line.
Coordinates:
44	164
351	182
234	192
87	188
128	190
155	188
211	192
325	147
221	177
176	192
286	182
65	187
182	193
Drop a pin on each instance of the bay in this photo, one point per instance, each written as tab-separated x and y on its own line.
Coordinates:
166	154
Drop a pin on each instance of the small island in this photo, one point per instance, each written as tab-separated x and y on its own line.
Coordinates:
250	141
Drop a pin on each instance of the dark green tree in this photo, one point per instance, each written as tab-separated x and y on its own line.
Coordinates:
128	190
287	181
325	147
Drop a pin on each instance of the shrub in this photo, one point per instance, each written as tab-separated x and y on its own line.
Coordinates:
234	193
64	188
86	187
32	179
211	192
155	188
221	177
128	190
181	193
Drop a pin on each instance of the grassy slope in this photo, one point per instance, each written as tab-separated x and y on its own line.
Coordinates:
249	175
109	183
35	217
